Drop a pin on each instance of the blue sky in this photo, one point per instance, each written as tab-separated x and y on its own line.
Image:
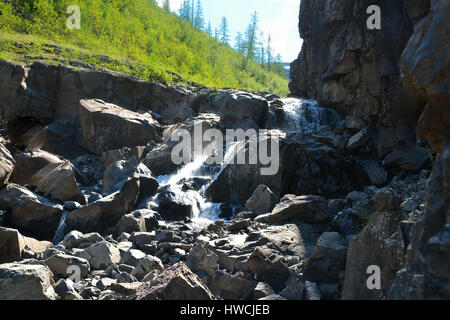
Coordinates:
279	17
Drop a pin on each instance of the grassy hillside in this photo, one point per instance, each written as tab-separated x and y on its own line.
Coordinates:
137	35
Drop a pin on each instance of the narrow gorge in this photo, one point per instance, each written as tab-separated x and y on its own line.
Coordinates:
93	207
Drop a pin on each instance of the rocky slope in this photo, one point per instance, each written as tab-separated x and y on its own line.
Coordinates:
93	207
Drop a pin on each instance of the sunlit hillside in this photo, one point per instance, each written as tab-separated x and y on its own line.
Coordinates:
142	38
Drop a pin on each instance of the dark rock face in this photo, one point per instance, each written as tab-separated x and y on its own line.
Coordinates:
426	273
107	127
425	64
379	244
355	70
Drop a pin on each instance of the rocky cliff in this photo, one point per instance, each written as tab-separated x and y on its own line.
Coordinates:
397	79
355	70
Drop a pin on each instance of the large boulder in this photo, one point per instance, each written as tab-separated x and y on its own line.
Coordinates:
28	163
60	265
202	260
58	180
175	283
380	244
108	127
6	164
58	138
239	109
328	259
147	265
311	209
12	244
230	287
106	212
101	255
267	265
262	201
26	282
159	159
32	214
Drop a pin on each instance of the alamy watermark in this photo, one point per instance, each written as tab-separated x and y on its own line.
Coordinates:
74	20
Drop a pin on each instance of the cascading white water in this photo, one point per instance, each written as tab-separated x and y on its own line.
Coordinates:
299	115
305	116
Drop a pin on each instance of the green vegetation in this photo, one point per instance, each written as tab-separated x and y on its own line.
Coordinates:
138	36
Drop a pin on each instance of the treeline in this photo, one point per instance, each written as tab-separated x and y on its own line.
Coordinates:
252	43
141	32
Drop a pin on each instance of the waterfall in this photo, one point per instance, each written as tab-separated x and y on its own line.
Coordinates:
62	229
305	116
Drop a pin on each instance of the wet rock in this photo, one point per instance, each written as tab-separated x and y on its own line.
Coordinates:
202	260
6	164
262	201
170	208
60	265
311	209
101	255
175	283
106	212
109	127
328	259
58	180
26	282
33	215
